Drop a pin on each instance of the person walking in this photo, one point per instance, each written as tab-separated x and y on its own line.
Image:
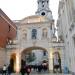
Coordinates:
9	70
22	70
28	70
4	70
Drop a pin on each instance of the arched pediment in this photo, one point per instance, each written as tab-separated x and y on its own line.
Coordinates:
34	19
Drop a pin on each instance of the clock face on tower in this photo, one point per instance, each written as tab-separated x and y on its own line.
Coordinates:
43	13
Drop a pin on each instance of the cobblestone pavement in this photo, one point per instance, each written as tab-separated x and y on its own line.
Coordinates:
40	74
43	74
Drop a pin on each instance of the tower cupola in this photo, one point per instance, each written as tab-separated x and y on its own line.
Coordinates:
43	8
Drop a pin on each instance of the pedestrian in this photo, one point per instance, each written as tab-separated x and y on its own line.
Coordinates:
66	70
59	60
28	70
39	68
22	70
9	70
4	70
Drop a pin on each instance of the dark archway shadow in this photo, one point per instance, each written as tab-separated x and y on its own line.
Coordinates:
12	62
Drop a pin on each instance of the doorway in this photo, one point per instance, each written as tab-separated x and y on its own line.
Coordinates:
13	62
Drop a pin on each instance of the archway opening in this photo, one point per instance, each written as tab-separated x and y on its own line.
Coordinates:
36	57
13	62
57	62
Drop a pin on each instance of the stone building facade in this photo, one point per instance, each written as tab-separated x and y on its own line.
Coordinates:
35	32
66	30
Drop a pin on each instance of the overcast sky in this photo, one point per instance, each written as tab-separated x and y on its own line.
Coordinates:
18	9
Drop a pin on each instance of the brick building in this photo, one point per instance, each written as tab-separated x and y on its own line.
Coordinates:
7	32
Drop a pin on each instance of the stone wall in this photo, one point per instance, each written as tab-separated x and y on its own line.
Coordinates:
2	57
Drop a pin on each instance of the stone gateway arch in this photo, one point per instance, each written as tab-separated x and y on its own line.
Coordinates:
36	32
26	41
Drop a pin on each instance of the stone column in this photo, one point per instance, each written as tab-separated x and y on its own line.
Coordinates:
50	57
62	57
3	57
18	62
49	33
39	33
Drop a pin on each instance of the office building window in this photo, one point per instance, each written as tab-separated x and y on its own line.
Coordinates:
74	41
9	28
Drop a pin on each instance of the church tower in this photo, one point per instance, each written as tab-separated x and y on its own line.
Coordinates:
43	9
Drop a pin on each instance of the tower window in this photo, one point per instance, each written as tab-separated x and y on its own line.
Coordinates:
38	2
42	5
47	1
43	13
42	2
